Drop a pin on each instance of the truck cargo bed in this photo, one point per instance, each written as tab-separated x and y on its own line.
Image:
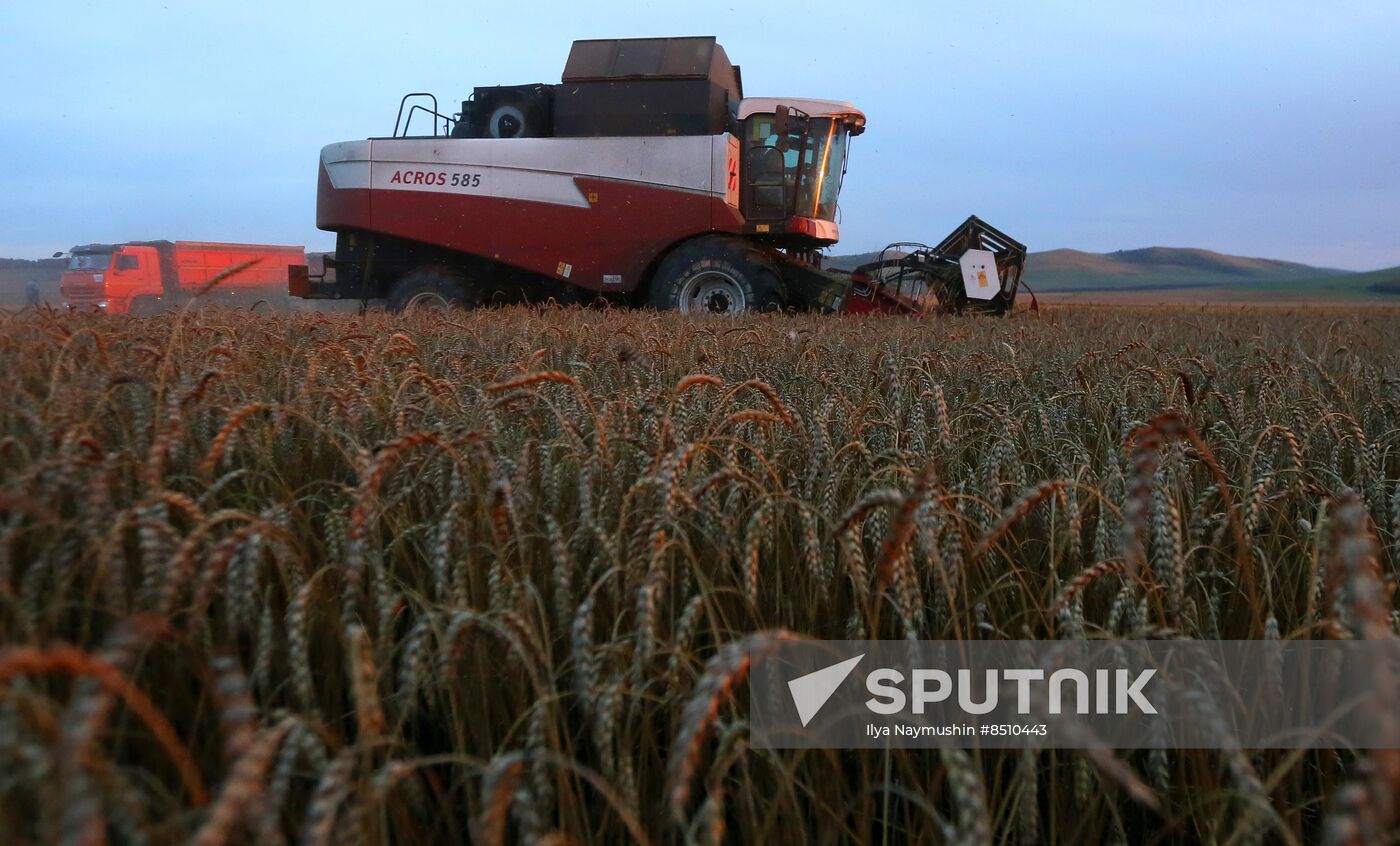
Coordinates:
197	262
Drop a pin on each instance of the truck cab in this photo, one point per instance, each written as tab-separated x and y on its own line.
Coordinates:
111	277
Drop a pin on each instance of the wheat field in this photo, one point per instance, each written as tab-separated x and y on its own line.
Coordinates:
493	576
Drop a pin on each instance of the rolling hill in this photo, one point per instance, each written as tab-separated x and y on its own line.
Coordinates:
1374	283
1158	268
1169	269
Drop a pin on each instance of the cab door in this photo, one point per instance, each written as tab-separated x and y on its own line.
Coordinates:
772	150
135	273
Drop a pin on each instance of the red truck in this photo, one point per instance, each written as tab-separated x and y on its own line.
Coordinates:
144	277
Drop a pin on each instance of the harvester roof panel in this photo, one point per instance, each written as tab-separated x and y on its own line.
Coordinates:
812	108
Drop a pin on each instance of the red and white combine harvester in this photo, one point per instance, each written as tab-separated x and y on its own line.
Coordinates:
645	176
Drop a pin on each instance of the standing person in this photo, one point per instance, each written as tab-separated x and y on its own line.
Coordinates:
31	292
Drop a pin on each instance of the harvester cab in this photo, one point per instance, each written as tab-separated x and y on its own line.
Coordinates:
645	176
794	159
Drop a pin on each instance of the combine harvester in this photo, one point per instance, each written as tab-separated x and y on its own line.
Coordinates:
645	177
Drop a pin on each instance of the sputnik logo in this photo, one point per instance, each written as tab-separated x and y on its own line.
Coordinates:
810	692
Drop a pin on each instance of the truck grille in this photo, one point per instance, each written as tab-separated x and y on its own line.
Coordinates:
83	293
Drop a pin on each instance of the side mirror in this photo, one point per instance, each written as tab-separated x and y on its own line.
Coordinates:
58	254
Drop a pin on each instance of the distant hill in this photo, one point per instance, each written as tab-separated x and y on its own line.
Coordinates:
1160	267
1153	268
850	262
1375	283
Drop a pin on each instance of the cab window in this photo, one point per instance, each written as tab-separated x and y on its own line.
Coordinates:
799	175
128	263
90	261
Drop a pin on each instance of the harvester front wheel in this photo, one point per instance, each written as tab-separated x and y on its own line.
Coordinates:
433	288
717	276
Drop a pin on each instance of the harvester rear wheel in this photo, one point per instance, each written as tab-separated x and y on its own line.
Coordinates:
433	288
717	276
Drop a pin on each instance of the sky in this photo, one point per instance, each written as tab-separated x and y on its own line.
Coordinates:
1256	128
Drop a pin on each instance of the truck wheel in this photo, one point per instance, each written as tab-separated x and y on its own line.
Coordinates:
430	289
717	276
145	306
